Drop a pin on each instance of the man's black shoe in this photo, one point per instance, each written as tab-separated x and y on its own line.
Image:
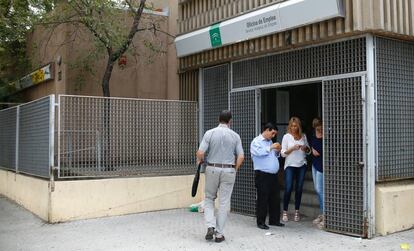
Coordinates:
262	226
220	239
277	224
210	233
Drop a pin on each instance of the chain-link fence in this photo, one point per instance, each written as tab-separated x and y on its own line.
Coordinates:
26	137
120	137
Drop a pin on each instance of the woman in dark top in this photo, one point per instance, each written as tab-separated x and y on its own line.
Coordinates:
317	167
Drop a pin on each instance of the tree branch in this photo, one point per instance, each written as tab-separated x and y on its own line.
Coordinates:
58	22
84	11
132	32
155	29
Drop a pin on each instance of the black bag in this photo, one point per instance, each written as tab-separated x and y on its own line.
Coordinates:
195	181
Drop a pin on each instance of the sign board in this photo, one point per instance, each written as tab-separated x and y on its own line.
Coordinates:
272	19
41	75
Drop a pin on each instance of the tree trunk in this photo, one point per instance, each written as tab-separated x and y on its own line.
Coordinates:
107	117
107	77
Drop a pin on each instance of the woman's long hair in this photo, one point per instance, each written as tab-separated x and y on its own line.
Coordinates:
298	123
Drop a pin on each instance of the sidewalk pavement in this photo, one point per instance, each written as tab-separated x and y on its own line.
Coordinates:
173	230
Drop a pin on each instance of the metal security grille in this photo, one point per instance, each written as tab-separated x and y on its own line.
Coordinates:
35	137
326	60
119	137
215	94
8	138
243	107
343	156
395	84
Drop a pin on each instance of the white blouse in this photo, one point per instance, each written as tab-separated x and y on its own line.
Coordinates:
296	158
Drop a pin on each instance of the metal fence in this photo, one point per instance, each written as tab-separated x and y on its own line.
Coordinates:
8	134
325	60
395	82
119	137
243	107
26	137
99	137
344	156
216	85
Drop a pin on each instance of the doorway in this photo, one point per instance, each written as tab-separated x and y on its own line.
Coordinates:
302	101
278	105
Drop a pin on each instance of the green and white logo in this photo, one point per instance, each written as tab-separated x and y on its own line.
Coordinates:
215	36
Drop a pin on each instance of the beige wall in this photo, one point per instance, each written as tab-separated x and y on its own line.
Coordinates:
84	199
173	80
144	75
44	46
148	75
73	200
394	207
31	193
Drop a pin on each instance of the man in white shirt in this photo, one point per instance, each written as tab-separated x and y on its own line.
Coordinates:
225	156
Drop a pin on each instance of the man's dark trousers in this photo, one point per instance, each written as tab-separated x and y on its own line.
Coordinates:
268	199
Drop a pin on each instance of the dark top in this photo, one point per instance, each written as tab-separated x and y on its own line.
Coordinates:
316	144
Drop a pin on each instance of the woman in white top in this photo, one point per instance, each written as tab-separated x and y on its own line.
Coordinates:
295	147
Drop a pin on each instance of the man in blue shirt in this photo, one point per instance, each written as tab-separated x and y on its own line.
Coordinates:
266	165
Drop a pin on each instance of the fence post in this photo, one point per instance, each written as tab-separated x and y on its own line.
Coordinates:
58	134
98	151
17	139
51	133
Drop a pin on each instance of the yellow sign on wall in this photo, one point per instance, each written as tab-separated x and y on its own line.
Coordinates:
38	76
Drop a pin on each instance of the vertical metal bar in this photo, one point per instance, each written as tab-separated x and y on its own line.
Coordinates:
230	83
58	134
371	125
364	155
200	104
323	144
51	133
17	139
258	107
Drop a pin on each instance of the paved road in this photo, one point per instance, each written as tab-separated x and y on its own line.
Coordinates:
172	230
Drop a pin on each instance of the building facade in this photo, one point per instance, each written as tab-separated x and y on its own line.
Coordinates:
65	56
347	61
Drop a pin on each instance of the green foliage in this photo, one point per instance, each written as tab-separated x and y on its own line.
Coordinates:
17	18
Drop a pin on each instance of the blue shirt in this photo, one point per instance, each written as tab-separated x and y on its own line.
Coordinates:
264	159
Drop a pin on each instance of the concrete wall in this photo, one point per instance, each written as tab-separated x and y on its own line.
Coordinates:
84	199
394	207
31	193
73	200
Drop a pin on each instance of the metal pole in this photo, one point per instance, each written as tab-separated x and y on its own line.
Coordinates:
17	139
371	126
52	133
200	104
58	134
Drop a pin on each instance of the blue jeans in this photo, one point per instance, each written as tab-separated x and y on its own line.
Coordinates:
318	184
299	174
